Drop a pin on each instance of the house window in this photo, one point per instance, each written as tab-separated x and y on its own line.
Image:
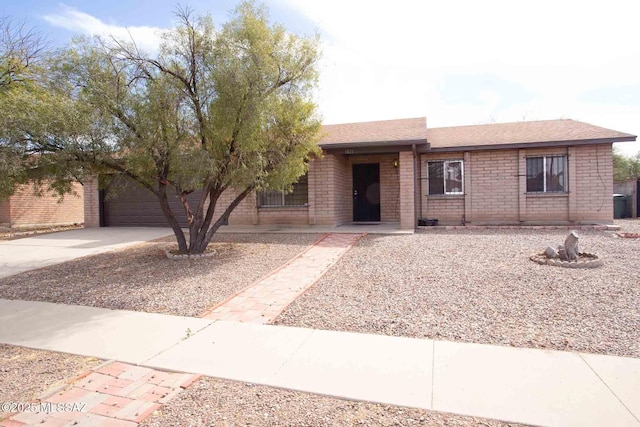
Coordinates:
546	174
446	177
274	198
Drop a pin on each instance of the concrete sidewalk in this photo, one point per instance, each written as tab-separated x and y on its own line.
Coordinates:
511	384
42	250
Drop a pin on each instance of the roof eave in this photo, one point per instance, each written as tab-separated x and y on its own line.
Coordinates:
539	144
363	144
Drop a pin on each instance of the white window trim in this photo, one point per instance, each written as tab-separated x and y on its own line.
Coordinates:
445	164
544	174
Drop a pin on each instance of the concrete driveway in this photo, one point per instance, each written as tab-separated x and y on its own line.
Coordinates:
39	251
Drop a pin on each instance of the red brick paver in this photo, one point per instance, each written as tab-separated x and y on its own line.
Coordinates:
263	301
113	394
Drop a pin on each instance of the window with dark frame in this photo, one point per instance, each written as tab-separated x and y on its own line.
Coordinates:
547	174
446	177
297	198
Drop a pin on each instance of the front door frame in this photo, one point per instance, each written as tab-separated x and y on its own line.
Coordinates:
366	192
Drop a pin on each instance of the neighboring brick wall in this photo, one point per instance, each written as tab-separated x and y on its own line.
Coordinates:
29	210
495	188
5	212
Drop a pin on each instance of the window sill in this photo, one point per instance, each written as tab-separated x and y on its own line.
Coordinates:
284	208
548	194
445	196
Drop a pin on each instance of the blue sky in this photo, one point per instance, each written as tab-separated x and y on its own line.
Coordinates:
456	62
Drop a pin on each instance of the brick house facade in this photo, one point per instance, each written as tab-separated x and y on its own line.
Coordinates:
396	171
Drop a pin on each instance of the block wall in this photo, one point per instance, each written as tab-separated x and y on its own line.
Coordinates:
5	212
593	183
447	209
91	202
28	210
495	188
407	192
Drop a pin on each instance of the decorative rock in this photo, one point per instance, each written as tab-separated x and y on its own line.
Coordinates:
585	260
177	257
571	246
562	253
551	252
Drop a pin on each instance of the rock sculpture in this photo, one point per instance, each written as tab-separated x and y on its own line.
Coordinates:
568	255
571	246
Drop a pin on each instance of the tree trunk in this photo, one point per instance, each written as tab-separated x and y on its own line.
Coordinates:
206	233
173	222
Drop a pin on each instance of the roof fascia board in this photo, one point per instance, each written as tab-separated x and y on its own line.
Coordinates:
369	150
392	143
544	144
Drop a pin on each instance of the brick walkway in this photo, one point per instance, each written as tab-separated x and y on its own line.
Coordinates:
114	394
263	301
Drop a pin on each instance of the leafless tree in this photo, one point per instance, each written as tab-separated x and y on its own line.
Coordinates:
20	49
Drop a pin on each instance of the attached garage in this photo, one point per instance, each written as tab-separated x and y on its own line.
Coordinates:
127	204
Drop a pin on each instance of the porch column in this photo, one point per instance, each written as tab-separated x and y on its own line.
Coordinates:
91	202
407	205
311	190
468	208
522	185
572	180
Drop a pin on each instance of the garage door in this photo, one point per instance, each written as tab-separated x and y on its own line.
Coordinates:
126	204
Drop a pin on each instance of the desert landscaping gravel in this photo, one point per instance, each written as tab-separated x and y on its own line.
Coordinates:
142	278
480	286
222	403
25	373
462	285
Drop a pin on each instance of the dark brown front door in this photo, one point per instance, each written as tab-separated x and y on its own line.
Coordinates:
366	192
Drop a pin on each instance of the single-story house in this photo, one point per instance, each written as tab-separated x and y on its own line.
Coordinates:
397	171
25	209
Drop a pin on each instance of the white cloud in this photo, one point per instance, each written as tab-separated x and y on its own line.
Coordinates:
387	60
147	38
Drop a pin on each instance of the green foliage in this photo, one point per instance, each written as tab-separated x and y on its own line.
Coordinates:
624	167
213	110
20	51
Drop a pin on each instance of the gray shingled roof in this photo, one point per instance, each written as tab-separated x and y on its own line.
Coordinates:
391	131
410	131
545	131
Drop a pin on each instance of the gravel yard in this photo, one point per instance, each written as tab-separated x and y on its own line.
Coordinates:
222	403
480	286
25	373
142	278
